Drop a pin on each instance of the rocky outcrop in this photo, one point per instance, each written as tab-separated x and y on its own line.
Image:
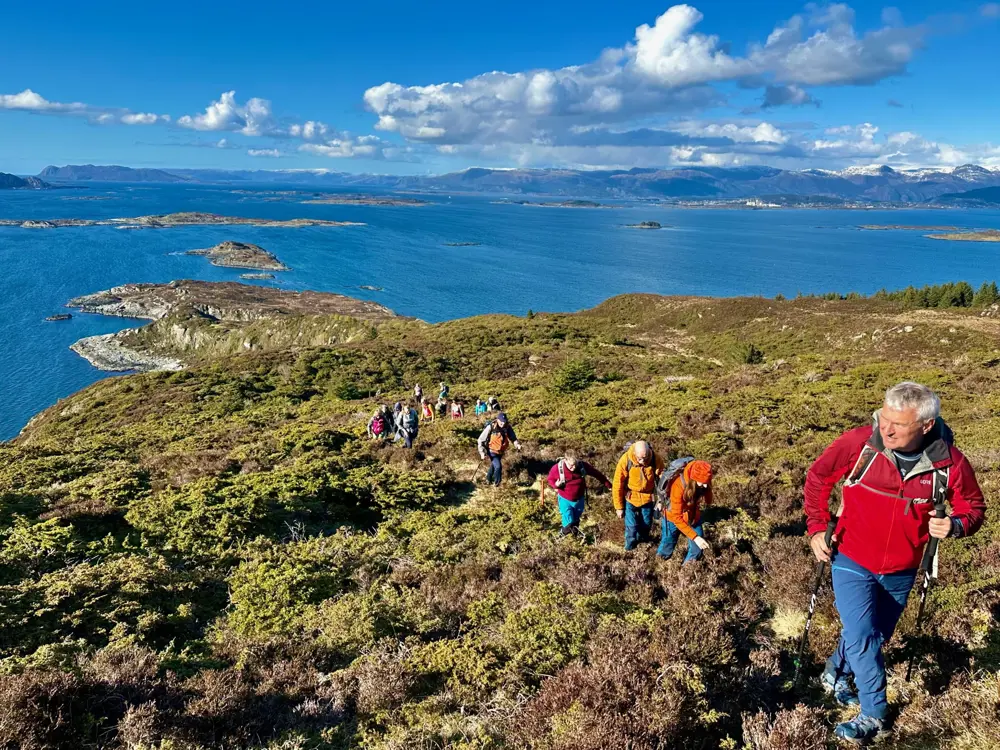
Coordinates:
194	319
241	255
106	352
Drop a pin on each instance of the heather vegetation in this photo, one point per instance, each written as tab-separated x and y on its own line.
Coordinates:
219	558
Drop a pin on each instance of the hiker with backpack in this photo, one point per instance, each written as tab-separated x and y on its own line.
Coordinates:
418	393
407	425
899	472
569	479
443	392
426	412
378	425
457	412
480	407
493	442
633	490
442	407
683	487
493	404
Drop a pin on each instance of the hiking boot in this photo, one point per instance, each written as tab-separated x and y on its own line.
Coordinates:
840	688
861	730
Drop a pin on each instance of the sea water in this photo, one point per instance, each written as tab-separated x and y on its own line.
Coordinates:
526	257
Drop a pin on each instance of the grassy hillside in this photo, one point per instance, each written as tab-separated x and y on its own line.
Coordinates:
218	558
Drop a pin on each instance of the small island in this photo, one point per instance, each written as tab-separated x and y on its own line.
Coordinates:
576	203
58	317
370	288
462	244
366	200
986	235
645	225
231	254
256	276
910	227
182	219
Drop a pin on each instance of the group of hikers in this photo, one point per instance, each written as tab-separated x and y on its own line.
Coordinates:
899	472
402	422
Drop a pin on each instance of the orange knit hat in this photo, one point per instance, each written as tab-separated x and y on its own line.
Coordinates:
700	471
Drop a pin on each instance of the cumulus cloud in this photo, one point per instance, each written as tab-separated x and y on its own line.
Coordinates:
269	152
226	114
668	69
346	146
30	101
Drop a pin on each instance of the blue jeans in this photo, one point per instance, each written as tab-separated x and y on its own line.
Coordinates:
869	606
409	436
638	521
494	474
571	510
669	535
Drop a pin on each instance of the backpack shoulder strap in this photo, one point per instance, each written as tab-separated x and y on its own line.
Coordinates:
562	471
862	465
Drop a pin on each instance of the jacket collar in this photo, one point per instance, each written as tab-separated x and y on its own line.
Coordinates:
935	452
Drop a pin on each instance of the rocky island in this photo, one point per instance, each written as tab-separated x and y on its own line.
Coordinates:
645	225
230	254
257	276
366	200
13	182
181	219
193	319
985	235
462	244
910	227
56	318
576	203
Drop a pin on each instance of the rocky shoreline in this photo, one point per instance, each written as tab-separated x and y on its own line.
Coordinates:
106	352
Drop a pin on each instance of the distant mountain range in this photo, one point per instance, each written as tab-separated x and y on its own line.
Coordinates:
877	183
13	182
982	197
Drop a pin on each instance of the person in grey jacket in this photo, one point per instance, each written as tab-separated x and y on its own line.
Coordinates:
407	425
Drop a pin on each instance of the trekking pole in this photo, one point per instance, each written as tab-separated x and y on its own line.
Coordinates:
928	569
817	582
476	472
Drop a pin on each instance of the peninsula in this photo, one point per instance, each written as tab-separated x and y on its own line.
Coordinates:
232	254
182	219
194	319
910	227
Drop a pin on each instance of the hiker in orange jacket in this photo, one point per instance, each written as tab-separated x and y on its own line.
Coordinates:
633	490
682	510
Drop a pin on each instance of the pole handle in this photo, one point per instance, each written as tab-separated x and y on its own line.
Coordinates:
830	528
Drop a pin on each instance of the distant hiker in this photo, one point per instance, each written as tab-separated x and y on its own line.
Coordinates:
442	407
494	441
633	490
684	485
418	393
457	412
407	425
378	425
569	479
480	407
896	469
492	404
426	412
443	393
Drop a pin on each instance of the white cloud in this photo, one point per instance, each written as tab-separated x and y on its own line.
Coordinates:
30	101
345	147
253	118
668	69
270	152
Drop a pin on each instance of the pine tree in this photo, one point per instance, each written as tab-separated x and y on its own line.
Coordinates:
964	293
986	295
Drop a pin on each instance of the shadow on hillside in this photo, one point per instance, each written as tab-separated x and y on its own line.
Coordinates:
937	660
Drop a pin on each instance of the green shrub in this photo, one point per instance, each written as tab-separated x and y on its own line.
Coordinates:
575	375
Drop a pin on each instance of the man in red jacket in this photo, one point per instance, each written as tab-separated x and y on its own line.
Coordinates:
894	469
569	479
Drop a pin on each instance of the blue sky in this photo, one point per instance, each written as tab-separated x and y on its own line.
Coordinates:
431	87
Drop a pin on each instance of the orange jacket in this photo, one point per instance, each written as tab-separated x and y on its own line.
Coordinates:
637	485
680	513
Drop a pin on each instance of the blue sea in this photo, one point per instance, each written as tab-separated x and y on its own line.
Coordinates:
552	259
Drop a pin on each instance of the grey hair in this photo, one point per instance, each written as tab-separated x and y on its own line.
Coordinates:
910	395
